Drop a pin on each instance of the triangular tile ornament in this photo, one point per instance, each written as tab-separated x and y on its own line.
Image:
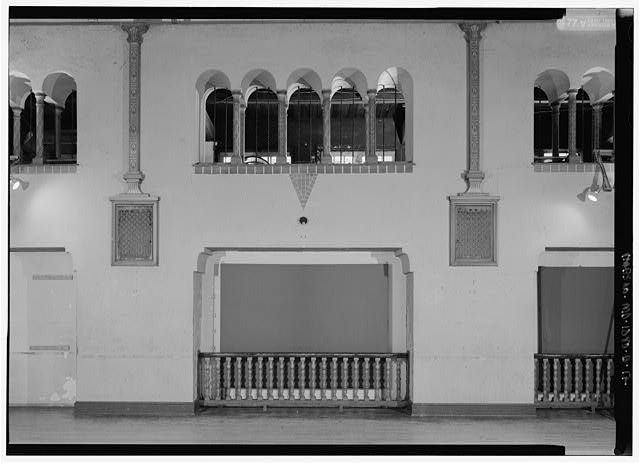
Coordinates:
303	184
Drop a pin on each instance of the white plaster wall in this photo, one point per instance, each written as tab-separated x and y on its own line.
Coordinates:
474	328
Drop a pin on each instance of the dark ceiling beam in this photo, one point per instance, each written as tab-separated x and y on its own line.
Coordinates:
319	14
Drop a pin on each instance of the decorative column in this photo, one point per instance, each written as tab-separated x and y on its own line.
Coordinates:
473	214
134	218
58	126
326	127
573	156
555	128
596	127
17	143
134	176
243	112
282	127
370	127
236	158
39	158
472	34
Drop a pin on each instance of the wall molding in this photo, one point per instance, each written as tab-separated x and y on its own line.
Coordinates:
134	408
473	409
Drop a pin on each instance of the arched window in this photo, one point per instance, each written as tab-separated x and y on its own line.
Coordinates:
304	126
261	127
348	133
390	124
219	125
543	128
28	129
69	128
583	126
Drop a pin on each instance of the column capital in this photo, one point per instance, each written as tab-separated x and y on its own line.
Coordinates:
17	111
135	31
372	92
572	92
39	96
472	30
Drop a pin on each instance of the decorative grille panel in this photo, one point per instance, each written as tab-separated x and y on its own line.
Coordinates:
474	226
134	234
473	231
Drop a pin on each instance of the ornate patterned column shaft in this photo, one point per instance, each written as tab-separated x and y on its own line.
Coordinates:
326	127
596	126
134	175
243	114
555	128
17	143
370	121
58	126
472	34
573	156
236	158
39	159
282	127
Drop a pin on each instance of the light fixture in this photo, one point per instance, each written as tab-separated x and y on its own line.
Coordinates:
15	183
595	189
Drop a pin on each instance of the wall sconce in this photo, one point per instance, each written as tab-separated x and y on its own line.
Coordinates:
15	183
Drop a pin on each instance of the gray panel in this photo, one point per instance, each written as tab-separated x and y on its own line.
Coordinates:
304	308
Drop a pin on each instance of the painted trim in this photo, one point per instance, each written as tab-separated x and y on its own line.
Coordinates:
473	409
134	408
37	250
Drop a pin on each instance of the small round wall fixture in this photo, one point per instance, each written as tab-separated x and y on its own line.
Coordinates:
303	220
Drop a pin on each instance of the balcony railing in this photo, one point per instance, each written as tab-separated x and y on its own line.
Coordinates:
573	380
303	379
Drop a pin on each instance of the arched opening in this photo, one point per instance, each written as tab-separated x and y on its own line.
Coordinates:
304	126
219	124
261	127
348	133
390	124
60	118
69	128
543	128
583	126
28	129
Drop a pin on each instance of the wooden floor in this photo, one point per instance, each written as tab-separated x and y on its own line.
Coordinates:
580	431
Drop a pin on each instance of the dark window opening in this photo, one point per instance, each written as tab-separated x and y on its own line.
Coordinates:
348	132
219	125
304	127
261	127
28	129
390	125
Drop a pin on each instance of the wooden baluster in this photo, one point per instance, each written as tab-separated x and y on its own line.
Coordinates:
588	379
248	379
292	368
238	377
217	379
567	379
387	379
281	378
270	378
609	377
376	380
301	382
578	379
212	377
598	379
365	378
227	377
259	379
313	377
323	378
556	379
354	373
334	378
536	378
545	379
401	362
345	377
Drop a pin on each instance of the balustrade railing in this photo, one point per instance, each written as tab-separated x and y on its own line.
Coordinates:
573	380
303	379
